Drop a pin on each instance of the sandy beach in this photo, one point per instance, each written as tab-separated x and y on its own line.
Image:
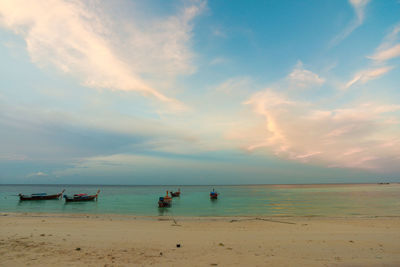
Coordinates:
105	240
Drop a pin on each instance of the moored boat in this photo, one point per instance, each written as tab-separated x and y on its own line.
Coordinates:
164	202
213	194
176	194
40	196
81	197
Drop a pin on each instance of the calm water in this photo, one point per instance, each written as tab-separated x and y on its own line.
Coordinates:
267	200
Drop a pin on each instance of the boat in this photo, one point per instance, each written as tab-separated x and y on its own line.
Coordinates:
81	197
213	194
165	202
40	196
176	194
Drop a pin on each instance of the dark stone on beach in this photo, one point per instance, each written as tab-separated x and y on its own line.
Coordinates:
161	254
178	245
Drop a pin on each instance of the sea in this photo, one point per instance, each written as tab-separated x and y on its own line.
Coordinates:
325	200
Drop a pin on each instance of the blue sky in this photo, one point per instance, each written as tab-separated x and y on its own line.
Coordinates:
199	92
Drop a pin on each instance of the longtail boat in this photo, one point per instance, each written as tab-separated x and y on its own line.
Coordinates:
81	197
176	194
164	202
213	194
40	196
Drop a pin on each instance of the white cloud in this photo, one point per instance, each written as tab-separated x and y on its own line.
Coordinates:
300	77
37	174
80	39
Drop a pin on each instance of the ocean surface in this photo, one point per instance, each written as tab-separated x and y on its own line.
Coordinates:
245	200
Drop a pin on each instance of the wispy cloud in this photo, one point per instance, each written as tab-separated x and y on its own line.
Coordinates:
79	39
389	48
367	75
387	54
359	9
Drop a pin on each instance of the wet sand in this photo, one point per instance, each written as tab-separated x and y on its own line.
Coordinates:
105	240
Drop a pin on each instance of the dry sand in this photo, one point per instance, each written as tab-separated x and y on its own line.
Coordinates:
90	240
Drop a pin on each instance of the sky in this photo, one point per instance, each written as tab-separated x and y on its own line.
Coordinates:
199	92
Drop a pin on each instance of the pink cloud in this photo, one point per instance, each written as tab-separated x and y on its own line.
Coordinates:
352	137
79	39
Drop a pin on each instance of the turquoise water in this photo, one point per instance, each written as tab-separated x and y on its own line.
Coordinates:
250	200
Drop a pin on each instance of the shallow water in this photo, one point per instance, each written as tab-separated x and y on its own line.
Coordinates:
248	200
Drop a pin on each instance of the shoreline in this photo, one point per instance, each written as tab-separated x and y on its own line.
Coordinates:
187	218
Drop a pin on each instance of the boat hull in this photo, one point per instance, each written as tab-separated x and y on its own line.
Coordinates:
81	197
40	197
175	194
89	198
214	196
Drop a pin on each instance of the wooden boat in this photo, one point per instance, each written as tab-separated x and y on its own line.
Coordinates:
40	196
176	194
164	202
81	197
213	194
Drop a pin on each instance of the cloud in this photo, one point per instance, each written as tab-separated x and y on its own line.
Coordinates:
233	85
13	157
37	174
79	38
218	61
359	6
300	77
37	134
169	170
219	32
358	136
389	48
367	75
359	9
387	54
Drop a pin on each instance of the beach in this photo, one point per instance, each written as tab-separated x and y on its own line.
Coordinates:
42	239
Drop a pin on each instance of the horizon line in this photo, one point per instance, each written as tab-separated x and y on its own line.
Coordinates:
75	184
